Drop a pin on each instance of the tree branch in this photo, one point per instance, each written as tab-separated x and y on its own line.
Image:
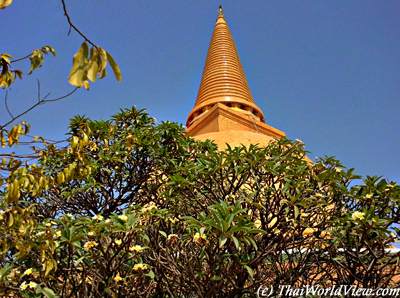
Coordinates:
40	101
71	25
19	156
6	105
20	59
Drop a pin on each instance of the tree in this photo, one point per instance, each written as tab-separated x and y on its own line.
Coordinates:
131	208
127	207
89	64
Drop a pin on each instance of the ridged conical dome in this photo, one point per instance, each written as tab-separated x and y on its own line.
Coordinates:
223	79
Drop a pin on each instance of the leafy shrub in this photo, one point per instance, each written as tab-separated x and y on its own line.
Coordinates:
132	208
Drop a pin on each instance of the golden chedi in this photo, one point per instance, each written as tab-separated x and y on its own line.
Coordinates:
225	111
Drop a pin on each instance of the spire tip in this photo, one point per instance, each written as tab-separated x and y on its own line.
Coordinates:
220	11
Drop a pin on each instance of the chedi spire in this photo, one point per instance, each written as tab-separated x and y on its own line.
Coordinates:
223	77
224	87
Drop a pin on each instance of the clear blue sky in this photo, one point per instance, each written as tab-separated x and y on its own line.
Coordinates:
324	72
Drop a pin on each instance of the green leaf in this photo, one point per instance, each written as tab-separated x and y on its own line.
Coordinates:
222	242
115	67
216	278
253	243
151	274
230	219
296	212
5	271
49	293
249	270
236	241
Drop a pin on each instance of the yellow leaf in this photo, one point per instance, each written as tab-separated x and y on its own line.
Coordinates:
67	173
115	67
42	182
86	85
309	231
10	219
24	181
6	57
77	77
103	59
93	69
85	139
13	192
74	141
272	222
48	266
78	74
48	49
60	178
2	139
5	3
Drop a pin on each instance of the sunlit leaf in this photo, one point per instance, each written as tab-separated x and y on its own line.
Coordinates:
115	67
5	3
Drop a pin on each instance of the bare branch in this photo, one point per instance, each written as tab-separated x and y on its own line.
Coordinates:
59	98
22	58
38	90
40	101
71	25
20	156
46	140
6	105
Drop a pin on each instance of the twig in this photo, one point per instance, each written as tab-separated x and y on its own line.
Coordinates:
12	155
38	103
20	59
38	90
59	98
47	140
6	105
76	29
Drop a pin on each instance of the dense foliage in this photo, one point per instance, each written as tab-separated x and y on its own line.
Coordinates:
132	208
